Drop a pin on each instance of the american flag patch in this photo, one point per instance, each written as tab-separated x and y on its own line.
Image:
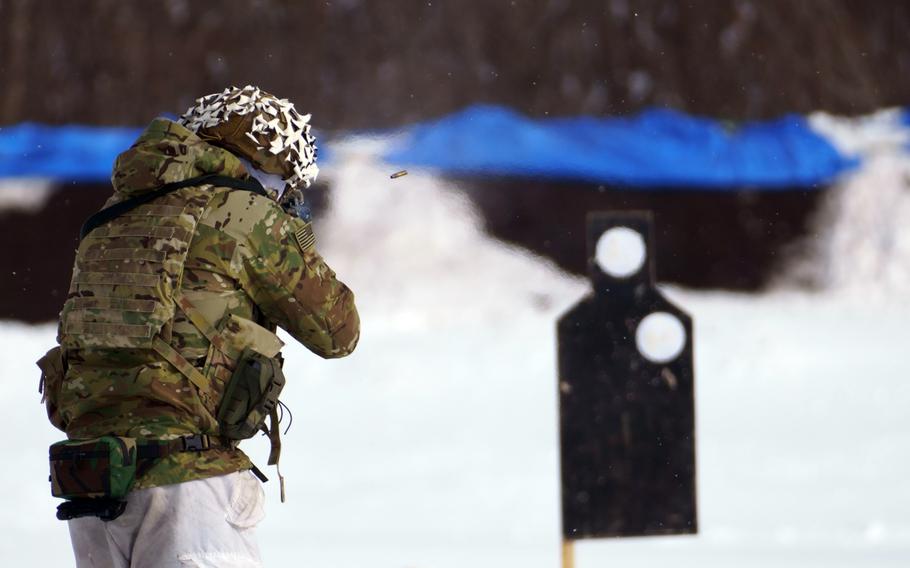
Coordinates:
305	237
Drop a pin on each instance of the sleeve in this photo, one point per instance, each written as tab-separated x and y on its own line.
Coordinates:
296	289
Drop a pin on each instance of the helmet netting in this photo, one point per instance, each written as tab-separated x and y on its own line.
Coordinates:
274	120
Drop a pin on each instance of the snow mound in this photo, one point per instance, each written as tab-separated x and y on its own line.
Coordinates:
385	236
24	194
861	239
882	131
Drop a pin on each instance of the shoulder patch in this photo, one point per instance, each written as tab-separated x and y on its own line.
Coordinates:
305	236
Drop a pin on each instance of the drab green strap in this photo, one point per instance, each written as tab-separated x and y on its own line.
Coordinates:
204	326
274	437
186	368
275	453
202	323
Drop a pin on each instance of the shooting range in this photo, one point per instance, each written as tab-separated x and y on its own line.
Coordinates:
633	276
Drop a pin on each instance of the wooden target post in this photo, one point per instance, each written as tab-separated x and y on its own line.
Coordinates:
568	553
626	398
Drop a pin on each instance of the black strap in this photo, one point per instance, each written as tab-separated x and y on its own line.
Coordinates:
104	508
258	473
154	449
118	209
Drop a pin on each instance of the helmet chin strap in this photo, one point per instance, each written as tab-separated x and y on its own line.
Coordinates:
270	181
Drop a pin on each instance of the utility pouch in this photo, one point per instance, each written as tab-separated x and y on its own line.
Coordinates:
250	395
102	467
53	370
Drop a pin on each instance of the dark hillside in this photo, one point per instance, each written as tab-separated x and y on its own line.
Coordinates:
359	64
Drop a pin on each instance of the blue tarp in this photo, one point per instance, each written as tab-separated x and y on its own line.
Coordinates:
658	148
64	153
69	153
905	120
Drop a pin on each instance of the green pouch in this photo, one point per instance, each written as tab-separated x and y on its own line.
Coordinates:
100	467
53	371
250	395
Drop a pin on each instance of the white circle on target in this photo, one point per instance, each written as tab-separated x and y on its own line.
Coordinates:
620	252
660	337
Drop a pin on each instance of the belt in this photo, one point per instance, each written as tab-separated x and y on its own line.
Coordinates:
147	451
154	449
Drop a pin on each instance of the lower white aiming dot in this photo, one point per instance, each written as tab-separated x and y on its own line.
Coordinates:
620	252
660	337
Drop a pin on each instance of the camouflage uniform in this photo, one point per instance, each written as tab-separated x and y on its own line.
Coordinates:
246	263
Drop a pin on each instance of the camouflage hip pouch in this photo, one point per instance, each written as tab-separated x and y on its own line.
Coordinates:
102	467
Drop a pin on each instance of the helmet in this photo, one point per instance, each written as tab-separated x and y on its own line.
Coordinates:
261	128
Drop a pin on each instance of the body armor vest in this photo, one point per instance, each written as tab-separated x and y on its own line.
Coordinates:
129	270
125	293
128	275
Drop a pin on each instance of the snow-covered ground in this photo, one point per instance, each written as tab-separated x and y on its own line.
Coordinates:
435	444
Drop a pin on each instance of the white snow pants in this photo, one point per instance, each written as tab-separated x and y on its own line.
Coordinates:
205	523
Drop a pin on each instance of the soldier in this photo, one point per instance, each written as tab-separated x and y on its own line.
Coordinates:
167	352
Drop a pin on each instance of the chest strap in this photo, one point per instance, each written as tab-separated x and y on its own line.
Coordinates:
118	209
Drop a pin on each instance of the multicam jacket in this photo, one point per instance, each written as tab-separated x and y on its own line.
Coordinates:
245	265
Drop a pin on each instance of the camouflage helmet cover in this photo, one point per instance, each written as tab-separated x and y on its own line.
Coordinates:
260	127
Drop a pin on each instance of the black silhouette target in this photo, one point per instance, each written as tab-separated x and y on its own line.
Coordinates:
627	415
